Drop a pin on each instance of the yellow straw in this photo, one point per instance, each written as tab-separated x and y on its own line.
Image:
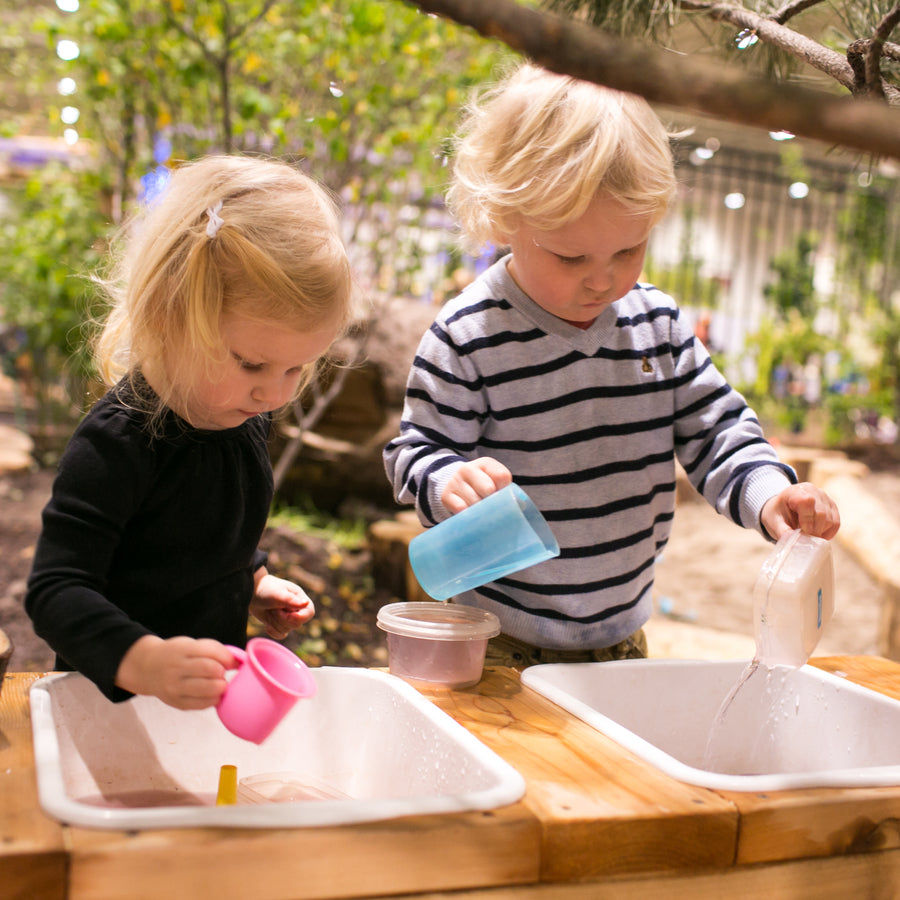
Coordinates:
227	795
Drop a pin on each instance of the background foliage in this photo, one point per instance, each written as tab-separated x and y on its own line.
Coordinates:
360	92
363	94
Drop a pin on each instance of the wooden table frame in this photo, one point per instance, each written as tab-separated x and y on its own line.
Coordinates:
596	822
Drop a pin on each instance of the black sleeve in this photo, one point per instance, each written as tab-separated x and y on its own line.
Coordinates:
103	474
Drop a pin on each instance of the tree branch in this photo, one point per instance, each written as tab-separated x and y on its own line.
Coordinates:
308	419
874	84
572	48
887	25
191	36
768	29
789	10
856	56
240	29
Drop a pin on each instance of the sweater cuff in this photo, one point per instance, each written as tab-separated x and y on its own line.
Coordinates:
433	511
760	486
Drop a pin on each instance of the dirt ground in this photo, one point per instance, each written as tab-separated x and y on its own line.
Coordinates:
703	590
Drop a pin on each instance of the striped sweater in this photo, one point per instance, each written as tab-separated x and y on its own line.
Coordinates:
589	422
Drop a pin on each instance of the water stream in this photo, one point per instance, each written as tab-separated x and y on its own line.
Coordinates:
737	752
713	756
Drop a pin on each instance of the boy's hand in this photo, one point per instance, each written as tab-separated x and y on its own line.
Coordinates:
280	605
184	672
802	506
473	481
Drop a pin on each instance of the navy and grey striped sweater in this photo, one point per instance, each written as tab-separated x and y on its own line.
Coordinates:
589	422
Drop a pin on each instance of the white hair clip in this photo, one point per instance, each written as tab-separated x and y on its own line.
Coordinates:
215	220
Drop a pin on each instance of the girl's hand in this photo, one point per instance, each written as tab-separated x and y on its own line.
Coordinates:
184	672
280	605
802	506
473	481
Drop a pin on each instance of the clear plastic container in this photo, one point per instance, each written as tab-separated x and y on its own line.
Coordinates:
501	534
439	645
793	599
285	787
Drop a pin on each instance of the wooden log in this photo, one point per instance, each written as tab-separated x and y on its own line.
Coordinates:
869	530
6	650
889	628
389	543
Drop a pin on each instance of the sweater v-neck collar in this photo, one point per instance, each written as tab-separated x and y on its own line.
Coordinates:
587	340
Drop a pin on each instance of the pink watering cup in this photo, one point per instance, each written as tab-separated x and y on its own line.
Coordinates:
269	681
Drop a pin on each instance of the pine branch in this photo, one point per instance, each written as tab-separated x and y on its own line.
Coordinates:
874	82
767	29
573	48
789	10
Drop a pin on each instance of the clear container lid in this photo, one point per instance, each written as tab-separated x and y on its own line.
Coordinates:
438	621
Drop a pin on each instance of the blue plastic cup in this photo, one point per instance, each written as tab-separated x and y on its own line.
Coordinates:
502	534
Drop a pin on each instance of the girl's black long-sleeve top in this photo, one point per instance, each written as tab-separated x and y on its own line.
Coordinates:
148	532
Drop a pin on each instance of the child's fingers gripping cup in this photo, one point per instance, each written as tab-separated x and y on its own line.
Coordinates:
501	534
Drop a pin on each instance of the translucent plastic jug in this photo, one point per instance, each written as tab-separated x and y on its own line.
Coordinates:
793	599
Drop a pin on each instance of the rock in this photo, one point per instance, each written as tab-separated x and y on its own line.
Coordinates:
16	449
341	452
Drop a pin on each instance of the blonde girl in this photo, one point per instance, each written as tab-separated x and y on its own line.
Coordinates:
228	292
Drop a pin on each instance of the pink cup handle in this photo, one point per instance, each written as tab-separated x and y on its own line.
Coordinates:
239	655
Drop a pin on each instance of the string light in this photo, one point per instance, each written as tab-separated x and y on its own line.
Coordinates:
67	50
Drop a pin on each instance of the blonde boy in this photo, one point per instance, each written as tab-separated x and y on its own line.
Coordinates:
557	370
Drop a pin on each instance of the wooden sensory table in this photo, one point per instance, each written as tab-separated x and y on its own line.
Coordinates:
595	822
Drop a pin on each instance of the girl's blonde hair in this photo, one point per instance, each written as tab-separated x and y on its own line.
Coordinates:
273	253
538	147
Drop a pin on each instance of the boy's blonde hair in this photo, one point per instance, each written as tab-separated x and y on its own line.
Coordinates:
538	147
277	256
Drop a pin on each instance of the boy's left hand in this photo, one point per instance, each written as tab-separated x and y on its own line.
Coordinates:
280	605
802	506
